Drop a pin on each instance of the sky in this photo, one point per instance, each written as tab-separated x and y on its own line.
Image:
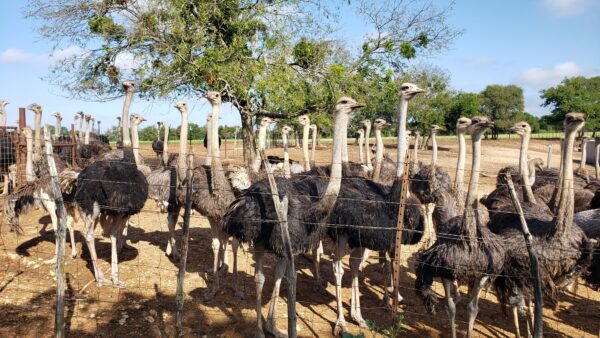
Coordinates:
530	43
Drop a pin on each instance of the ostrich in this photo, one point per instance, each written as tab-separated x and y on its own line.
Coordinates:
306	207
565	251
549	157
139	160
86	139
288	168
470	254
361	142
120	132
367	124
157	144
129	88
462	126
313	145
379	124
415	165
304	121
80	116
159	180
345	223
262	138
7	148
57	127
582	171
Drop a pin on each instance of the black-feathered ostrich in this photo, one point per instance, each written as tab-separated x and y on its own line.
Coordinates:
564	250
468	254
351	225
158	143
251	218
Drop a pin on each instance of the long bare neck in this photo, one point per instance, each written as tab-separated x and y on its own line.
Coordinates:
209	131
286	157
305	154
313	146
597	162
57	128
125	118
401	136
80	131
470	216
524	169
165	154
216	111
87	132
361	155
335	179
183	139
29	176
262	139
434	151
367	143
415	160
2	115
460	164
565	201
378	155
38	133
583	155
549	158
135	143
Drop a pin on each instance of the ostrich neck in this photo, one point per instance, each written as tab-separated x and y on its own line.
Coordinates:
565	201
29	164
460	164
583	155
550	157
367	143
305	155
183	138
597	162
57	128
262	139
87	133
470	220
38	133
286	157
361	155
401	136
434	150
165	154
313	146
378	155
135	143
524	169
214	123
345	147
415	161
335	180
209	131
2	117
125	118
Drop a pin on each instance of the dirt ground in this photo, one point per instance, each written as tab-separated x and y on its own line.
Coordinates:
146	306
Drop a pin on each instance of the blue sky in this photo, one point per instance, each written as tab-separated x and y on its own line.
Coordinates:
531	43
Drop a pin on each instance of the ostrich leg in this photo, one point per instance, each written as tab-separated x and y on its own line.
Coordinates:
271	323
235	244
450	304
259	279
172	222
90	221
219	245
118	223
355	261
338	270
472	307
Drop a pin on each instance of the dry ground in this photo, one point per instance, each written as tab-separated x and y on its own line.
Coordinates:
146	307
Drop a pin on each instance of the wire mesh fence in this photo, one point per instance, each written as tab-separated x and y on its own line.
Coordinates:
147	303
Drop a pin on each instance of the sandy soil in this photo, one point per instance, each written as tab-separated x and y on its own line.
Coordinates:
146	307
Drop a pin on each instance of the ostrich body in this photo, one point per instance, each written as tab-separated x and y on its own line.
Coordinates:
80	117
310	200
158	144
313	145
470	254
379	124
305	122
129	88
361	142
57	127
367	124
565	251
139	161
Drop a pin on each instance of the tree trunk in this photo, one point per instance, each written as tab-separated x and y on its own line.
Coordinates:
249	139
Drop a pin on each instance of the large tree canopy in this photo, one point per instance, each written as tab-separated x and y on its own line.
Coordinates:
503	104
256	51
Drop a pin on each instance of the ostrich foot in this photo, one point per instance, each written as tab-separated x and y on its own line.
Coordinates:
259	333
117	283
320	286
359	320
340	328
277	333
103	282
223	270
50	261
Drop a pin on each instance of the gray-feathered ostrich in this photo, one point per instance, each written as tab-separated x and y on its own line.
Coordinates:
251	218
158	144
564	250
351	225
379	124
469	253
367	124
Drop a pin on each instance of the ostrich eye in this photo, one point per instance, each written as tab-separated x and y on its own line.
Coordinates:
344	102
404	88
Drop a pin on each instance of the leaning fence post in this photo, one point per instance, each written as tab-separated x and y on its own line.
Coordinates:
399	228
59	318
180	297
281	208
538	324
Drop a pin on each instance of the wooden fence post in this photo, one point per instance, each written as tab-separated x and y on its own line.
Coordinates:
399	228
281	208
538	324
59	318
180	297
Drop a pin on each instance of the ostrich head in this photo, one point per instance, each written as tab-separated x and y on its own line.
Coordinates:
574	122
137	119
347	105
129	86
366	123
159	124
303	119
313	127
88	118
462	125
58	116
522	128
213	97
585	140
3	104
76	117
434	128
361	132
286	129
479	124
381	123
409	90
181	106
80	114
265	121
536	163
36	108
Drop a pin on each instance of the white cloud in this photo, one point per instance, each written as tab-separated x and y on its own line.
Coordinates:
17	56
567	7
481	62
550	76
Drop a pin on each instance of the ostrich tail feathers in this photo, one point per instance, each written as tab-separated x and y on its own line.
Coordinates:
18	202
67	179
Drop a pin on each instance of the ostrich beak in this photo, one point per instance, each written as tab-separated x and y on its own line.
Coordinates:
539	166
417	90
357	105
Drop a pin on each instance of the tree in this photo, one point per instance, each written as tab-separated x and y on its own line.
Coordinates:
463	104
533	121
575	94
502	104
251	50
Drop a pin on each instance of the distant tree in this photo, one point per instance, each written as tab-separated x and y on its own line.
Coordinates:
502	104
575	94
463	104
148	133
533	121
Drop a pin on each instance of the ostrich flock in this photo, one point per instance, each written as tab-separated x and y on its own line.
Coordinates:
476	242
